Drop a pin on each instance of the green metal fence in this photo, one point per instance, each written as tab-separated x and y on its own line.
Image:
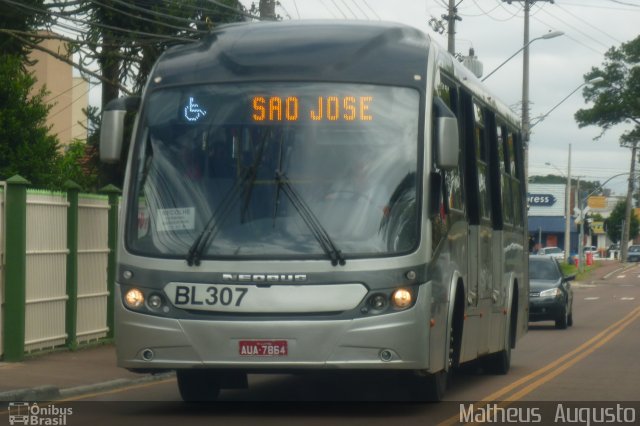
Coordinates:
59	267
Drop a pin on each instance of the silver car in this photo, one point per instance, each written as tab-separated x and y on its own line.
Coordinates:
554	252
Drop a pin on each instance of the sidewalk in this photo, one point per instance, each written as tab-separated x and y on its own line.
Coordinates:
64	374
608	268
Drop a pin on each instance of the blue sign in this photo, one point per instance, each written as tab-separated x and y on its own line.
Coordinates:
541	200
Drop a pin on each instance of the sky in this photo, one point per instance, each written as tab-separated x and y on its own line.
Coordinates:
495	30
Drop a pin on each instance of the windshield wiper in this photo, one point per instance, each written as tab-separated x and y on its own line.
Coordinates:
219	215
212	225
312	222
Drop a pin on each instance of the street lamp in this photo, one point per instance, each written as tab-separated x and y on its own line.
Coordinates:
543	116
567	210
546	36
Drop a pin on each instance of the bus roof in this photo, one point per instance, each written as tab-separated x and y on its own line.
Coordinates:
356	51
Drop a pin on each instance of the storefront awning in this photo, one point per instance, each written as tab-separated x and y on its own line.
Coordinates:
553	224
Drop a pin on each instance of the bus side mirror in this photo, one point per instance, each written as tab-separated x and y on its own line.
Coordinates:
112	128
447	142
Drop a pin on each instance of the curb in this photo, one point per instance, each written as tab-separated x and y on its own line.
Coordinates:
52	393
40	393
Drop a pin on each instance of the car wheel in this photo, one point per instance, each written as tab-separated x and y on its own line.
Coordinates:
563	319
570	317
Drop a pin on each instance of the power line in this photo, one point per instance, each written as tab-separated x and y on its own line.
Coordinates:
295	4
361	10
328	9
349	9
595	40
65	91
99	25
70	104
589	24
142	18
339	10
372	10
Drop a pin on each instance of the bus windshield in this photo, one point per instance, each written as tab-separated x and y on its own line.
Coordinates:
239	169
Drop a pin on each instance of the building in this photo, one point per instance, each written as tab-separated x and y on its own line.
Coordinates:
547	217
68	94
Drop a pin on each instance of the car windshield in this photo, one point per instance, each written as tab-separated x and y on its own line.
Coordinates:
277	169
552	250
634	249
545	270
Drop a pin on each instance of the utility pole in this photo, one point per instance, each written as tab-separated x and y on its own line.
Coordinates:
627	212
567	212
267	10
451	18
525	68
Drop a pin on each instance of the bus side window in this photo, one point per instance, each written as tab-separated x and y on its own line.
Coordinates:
451	201
452	182
512	146
482	161
505	179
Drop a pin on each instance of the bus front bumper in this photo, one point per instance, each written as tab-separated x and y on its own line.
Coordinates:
390	341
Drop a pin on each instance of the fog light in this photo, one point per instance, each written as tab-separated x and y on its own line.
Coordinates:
154	301
378	301
401	298
134	298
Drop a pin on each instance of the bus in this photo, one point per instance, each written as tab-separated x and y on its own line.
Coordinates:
317	196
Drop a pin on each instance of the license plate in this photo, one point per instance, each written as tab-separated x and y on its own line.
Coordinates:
263	348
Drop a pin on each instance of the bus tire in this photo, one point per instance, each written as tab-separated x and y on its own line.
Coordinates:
499	362
430	387
198	385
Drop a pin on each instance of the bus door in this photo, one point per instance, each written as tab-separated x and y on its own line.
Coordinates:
481	233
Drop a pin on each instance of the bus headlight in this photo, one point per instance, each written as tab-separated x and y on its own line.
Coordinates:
378	301
401	298
134	298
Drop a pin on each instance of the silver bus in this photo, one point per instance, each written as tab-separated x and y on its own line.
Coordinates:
317	195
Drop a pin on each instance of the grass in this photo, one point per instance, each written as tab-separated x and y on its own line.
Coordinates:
571	269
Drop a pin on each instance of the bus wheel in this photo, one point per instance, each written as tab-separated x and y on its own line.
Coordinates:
499	362
430	387
198	385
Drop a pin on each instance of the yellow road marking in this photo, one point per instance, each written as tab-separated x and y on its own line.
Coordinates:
558	366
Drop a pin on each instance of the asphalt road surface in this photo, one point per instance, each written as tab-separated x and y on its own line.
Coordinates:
592	364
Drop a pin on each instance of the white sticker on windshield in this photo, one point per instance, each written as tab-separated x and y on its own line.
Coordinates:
182	219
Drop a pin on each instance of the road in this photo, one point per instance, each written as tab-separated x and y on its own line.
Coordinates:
595	360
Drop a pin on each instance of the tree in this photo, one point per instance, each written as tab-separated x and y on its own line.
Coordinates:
22	19
615	99
26	148
613	223
123	38
77	166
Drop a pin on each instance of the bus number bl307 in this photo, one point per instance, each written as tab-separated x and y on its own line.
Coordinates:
213	295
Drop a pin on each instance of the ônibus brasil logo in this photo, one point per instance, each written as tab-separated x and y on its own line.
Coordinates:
26	413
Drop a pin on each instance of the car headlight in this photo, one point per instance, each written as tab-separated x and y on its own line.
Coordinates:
552	292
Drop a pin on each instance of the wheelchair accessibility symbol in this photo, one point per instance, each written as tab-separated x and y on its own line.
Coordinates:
193	112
